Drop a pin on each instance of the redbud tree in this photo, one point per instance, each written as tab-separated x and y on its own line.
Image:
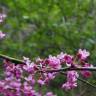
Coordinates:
27	78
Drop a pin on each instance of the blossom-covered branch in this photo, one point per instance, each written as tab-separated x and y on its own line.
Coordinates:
18	61
24	74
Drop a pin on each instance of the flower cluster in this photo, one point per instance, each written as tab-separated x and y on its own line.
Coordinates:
21	79
71	80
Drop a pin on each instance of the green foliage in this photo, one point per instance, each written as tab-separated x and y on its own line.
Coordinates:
42	27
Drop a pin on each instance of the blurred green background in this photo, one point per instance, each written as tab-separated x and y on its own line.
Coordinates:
42	27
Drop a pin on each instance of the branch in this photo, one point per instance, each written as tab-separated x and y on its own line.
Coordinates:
17	61
70	69
14	60
84	81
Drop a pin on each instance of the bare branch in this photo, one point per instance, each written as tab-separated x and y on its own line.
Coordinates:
14	60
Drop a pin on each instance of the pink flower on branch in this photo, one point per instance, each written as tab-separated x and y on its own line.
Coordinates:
54	62
87	74
23	78
65	58
71	80
83	54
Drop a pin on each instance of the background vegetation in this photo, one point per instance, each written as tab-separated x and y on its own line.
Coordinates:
42	27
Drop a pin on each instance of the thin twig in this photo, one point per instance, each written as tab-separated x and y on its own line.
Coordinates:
14	60
70	69
84	81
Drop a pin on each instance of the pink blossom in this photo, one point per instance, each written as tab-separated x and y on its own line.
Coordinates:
29	67
72	76
68	59
15	84
26	60
54	62
28	90
87	74
71	80
2	35
51	76
65	58
41	82
30	79
61	57
49	94
18	72
39	60
69	85
27	87
83	54
2	84
2	17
